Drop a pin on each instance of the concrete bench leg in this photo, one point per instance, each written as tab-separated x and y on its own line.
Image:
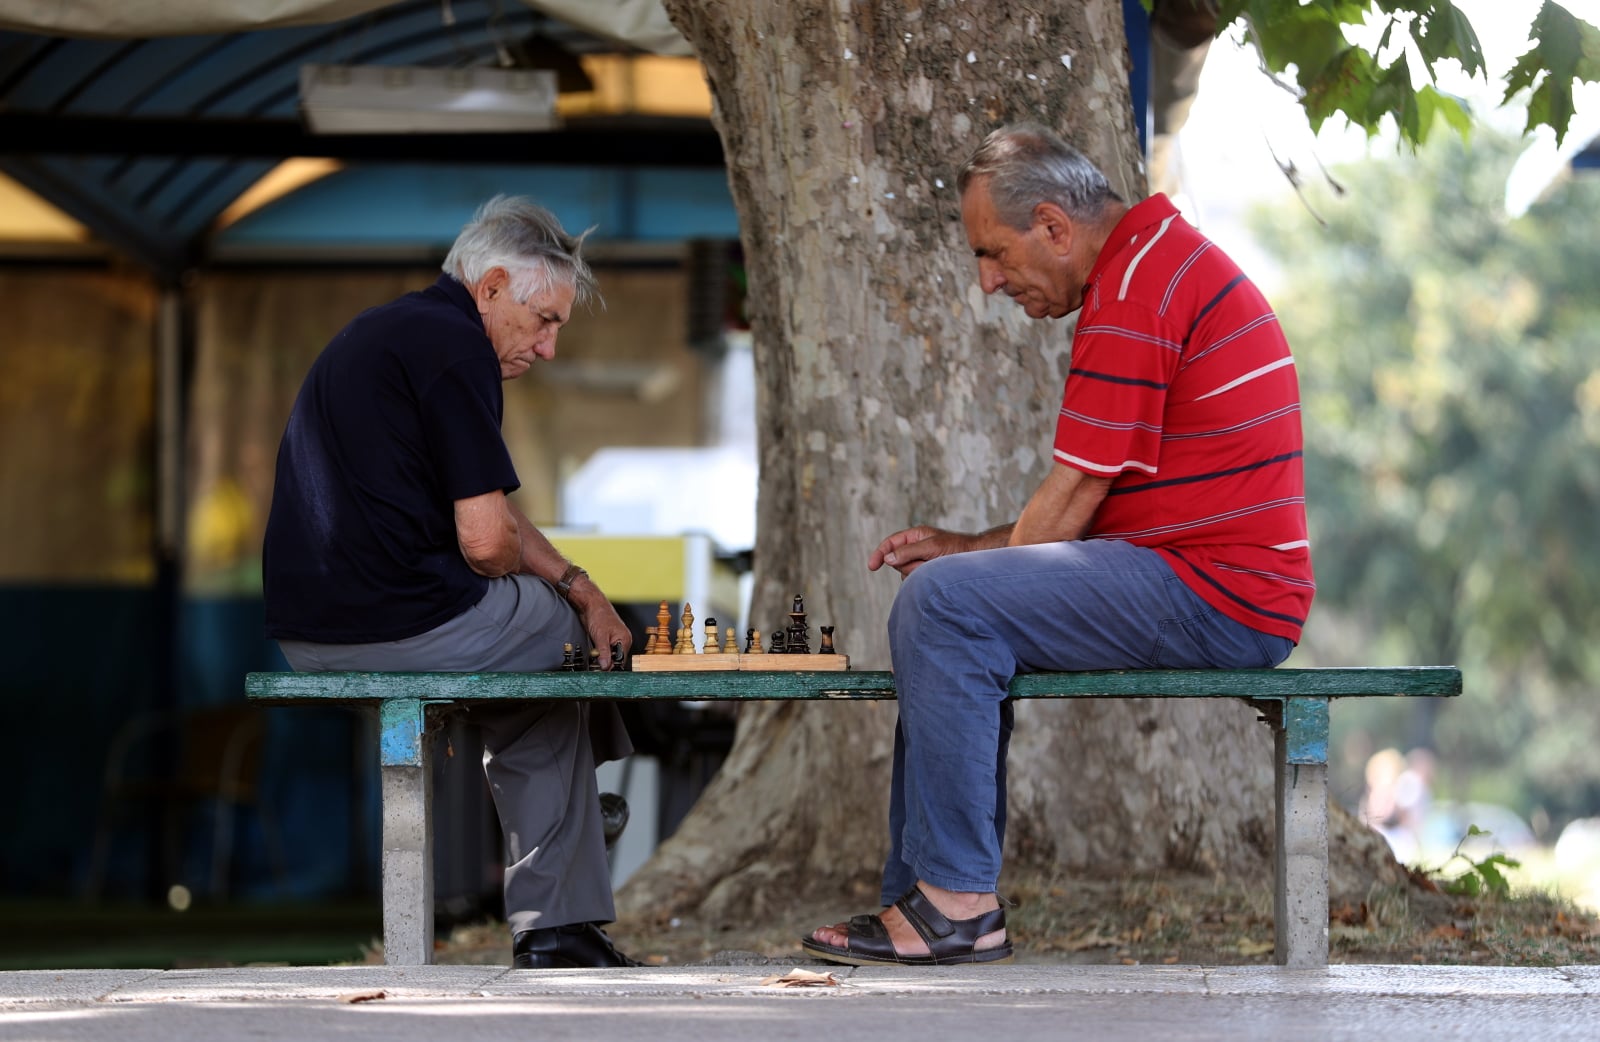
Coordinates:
407	835
1300	899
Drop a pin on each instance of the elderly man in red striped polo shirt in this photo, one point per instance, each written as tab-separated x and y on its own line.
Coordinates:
1169	533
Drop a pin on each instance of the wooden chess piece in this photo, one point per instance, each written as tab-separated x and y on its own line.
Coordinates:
827	641
709	645
568	662
797	640
685	644
663	644
753	645
650	643
779	645
730	646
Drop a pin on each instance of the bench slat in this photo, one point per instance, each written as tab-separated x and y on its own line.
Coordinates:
1432	681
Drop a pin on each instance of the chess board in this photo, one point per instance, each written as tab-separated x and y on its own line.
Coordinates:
748	663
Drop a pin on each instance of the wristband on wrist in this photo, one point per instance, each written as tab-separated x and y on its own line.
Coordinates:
568	577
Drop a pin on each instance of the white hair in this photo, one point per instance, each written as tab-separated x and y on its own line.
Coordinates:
519	235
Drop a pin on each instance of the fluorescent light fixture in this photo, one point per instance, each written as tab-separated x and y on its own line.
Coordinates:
402	99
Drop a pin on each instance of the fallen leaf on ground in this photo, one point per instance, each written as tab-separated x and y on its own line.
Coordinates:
1083	940
798	978
362	996
1249	947
1349	914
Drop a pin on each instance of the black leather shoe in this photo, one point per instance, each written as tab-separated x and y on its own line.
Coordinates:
576	946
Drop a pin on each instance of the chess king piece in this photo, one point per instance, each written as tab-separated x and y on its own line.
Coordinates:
797	638
827	641
709	646
663	620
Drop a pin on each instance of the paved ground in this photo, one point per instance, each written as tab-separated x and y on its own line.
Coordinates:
732	1004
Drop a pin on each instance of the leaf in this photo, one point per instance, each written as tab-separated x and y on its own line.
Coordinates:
1434	104
1492	879
1446	33
1473	830
1565	49
1345	85
1249	947
798	978
1306	37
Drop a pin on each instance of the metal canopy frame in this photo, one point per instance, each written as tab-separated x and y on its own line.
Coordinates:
147	141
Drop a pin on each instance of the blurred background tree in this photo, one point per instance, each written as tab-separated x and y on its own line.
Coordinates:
1450	359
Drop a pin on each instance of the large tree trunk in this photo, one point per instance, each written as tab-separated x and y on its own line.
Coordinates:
891	392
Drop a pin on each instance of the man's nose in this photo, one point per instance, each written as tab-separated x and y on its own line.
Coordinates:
989	275
545	347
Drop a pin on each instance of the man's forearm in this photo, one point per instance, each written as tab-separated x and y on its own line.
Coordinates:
539	557
1063	508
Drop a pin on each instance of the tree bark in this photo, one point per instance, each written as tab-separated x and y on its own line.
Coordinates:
891	391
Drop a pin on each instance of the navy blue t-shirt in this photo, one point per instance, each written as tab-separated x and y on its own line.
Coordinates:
398	418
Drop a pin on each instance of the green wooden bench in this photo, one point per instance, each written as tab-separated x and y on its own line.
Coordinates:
1293	702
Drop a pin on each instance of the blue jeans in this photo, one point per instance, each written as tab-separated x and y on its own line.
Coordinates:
964	625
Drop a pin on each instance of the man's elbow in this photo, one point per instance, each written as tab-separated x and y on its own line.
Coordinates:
490	558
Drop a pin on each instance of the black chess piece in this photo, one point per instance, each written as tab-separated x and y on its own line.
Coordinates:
568	660
619	661
750	640
827	641
593	664
778	645
798	639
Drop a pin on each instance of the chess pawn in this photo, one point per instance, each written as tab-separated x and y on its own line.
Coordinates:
650	643
594	660
827	641
779	644
730	645
709	645
752	644
568	662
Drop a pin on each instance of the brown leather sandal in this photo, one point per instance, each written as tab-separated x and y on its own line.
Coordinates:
950	941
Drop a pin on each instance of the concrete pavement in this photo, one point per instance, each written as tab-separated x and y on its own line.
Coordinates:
728	1003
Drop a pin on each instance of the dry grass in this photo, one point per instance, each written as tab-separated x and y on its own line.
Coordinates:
1181	919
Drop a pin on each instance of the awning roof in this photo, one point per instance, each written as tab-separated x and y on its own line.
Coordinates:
147	139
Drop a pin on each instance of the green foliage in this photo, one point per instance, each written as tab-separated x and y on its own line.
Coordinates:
1304	42
1482	877
1564	49
1449	357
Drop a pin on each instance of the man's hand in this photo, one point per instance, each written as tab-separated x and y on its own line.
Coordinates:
909	548
600	620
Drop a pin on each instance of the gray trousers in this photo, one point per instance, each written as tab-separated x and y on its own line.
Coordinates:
539	757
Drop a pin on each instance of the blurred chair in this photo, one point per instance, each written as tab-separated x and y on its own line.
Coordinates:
215	764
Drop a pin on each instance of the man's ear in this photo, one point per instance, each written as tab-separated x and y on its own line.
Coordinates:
1056	226
495	282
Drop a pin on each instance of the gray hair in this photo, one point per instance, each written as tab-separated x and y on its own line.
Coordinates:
525	239
1027	164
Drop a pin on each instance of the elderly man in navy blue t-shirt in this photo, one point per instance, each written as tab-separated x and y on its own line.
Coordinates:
391	545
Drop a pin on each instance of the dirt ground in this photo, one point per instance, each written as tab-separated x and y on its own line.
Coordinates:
1173	919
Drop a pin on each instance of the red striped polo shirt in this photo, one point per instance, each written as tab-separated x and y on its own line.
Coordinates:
1183	389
